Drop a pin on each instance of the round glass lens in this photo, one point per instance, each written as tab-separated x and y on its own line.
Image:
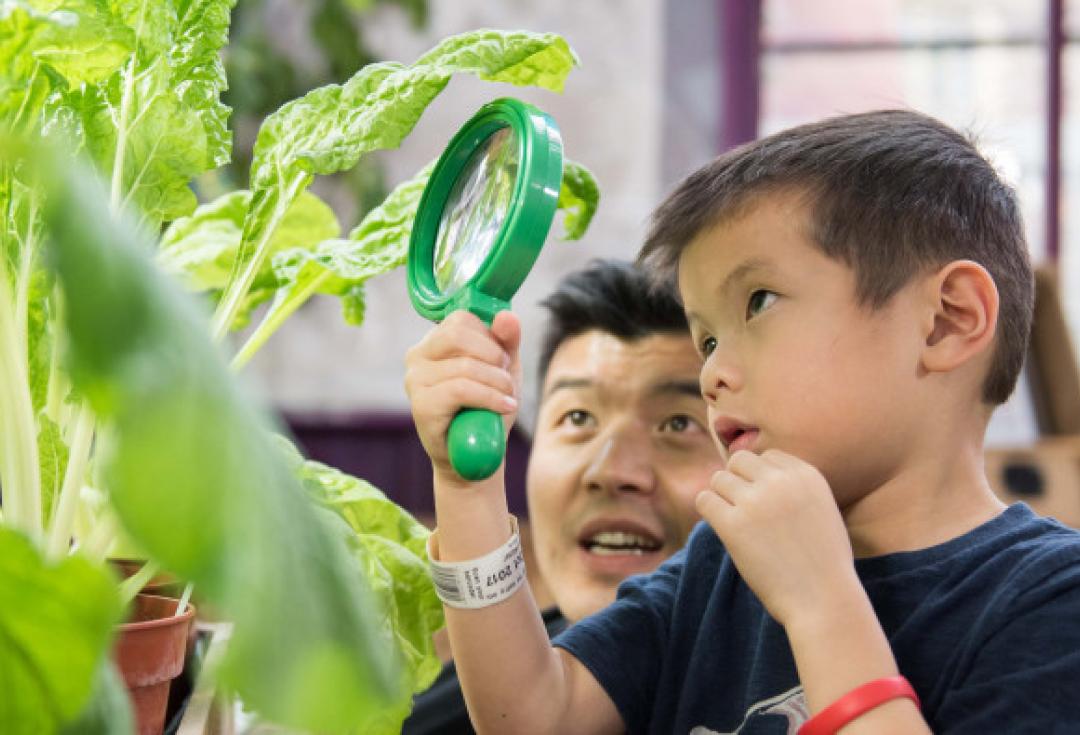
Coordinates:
476	210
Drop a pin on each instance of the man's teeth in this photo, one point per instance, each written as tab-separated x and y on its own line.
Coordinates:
620	542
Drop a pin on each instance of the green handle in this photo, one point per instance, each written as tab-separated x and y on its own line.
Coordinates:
476	443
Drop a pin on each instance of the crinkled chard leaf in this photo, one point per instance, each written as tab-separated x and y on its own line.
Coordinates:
158	121
390	546
201	249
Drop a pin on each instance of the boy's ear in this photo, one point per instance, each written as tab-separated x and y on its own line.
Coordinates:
962	316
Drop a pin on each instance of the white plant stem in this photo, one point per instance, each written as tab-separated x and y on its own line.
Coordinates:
97	544
272	321
68	502
238	287
181	606
20	473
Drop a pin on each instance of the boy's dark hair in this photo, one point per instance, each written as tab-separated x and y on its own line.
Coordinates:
612	296
891	194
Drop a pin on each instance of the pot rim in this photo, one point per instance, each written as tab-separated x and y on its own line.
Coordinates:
173	619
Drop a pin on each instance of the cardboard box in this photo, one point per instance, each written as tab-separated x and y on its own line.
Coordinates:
1052	370
1046	476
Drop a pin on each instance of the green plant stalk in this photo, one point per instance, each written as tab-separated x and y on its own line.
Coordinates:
271	322
20	474
79	456
238	287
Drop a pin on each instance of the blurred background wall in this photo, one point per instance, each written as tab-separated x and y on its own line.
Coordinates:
664	85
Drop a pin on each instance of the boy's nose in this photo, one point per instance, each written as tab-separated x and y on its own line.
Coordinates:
719	373
622	463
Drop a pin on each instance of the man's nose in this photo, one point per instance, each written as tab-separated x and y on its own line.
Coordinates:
623	462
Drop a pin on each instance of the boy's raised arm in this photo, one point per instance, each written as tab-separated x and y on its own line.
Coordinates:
513	680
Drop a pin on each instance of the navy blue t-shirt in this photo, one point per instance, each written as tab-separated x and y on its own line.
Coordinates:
986	627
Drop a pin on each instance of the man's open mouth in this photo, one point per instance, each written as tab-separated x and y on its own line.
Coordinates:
620	542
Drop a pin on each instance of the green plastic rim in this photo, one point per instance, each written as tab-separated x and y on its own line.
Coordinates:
524	230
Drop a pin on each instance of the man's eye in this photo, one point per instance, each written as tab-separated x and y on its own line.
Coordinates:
577	418
707	345
759	301
677	423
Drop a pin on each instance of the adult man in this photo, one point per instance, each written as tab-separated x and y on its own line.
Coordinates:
619	453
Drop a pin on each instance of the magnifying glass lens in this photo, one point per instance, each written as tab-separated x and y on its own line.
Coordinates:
475	211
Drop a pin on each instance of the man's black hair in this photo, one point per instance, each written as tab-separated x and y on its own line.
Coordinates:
611	296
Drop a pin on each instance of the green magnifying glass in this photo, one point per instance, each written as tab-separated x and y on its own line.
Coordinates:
482	219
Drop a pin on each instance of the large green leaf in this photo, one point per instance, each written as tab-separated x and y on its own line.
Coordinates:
159	121
55	624
330	128
198	483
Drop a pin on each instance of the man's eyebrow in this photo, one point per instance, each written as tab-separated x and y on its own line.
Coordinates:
677	387
565	384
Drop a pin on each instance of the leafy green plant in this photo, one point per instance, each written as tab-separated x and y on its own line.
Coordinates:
109	378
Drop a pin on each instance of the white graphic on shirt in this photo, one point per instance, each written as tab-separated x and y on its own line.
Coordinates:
790	705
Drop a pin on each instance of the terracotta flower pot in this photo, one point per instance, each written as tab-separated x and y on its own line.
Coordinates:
149	652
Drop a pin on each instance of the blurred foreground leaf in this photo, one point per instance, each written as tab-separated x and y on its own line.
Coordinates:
198	483
55	623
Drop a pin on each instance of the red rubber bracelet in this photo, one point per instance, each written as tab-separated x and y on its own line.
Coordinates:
857	702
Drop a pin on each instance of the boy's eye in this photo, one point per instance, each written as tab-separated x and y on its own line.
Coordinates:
759	301
707	345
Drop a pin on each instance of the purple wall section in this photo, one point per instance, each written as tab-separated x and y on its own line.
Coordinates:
383	449
739	73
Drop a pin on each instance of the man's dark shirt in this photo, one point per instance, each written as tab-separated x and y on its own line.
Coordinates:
441	708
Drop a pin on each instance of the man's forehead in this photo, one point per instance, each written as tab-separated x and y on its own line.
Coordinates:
660	364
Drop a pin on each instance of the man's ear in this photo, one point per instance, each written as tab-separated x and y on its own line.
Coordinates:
963	310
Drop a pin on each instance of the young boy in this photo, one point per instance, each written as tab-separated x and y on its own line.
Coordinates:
860	292
620	449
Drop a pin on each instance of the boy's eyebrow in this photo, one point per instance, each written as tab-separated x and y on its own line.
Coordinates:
744	269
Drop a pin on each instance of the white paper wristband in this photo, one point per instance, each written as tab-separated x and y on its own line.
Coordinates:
478	582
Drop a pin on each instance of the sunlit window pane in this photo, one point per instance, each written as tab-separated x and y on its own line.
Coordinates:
798	21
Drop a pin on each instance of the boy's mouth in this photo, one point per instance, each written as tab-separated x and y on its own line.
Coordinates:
735	434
